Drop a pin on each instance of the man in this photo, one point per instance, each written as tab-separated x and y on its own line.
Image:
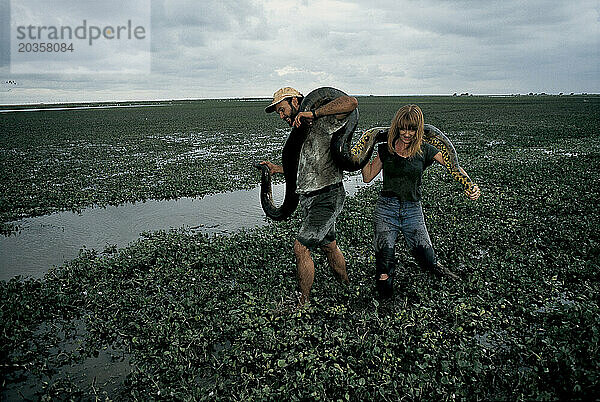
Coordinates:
319	183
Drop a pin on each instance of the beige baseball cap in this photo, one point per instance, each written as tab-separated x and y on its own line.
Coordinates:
281	94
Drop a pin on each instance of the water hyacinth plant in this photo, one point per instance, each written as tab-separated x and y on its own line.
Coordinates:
178	315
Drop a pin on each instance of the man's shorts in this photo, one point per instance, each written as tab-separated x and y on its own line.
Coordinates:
320	210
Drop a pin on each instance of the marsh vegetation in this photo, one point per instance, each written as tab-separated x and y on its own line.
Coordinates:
182	315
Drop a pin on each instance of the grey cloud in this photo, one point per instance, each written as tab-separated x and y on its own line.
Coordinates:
4	33
479	19
210	15
214	48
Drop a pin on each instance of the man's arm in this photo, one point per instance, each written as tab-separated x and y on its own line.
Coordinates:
273	168
340	107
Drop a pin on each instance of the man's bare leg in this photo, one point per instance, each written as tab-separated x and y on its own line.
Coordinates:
336	261
305	270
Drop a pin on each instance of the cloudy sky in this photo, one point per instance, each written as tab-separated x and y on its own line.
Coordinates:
249	48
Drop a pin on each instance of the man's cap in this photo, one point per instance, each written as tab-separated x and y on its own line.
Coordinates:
281	94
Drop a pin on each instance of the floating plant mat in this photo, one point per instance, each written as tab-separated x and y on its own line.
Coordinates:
196	316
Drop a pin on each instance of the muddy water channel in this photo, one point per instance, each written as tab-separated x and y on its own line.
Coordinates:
49	240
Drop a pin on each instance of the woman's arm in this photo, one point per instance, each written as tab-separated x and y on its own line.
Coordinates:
475	192
371	169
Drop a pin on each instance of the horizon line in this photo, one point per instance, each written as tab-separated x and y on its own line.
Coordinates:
456	94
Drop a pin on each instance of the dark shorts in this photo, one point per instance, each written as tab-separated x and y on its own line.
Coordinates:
319	213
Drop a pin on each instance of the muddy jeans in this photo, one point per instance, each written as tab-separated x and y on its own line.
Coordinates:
393	216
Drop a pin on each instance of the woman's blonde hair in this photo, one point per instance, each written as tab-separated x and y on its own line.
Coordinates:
408	117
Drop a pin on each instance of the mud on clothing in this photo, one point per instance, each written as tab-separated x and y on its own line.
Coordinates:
319	213
399	207
319	184
316	168
402	176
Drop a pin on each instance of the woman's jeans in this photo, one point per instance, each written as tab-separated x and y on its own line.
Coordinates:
393	216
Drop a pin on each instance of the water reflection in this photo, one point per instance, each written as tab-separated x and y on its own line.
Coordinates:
53	239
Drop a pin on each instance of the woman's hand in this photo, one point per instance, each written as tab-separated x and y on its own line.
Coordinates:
273	168
474	193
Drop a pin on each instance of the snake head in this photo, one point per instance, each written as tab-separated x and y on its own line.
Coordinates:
380	133
261	166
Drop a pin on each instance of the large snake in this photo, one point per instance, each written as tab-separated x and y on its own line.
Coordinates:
291	154
346	157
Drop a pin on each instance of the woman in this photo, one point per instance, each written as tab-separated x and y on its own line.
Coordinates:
403	160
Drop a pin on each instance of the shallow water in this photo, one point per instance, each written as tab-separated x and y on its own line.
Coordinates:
74	108
51	240
102	375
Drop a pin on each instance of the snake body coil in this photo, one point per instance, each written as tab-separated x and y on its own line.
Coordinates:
290	157
291	154
347	157
435	137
